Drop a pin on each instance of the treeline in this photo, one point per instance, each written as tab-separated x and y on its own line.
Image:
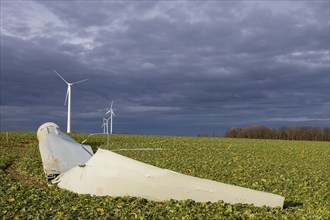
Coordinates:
283	133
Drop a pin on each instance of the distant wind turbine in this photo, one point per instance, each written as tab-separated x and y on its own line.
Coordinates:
104	125
111	114
68	99
107	124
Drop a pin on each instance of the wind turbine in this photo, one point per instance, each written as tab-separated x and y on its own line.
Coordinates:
107	124
104	125
68	99
111	114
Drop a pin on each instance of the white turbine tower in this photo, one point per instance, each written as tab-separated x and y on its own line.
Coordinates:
68	99
111	114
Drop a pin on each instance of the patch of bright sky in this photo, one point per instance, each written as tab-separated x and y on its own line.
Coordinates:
159	11
29	14
37	19
312	59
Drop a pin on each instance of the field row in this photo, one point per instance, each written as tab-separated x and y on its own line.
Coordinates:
297	170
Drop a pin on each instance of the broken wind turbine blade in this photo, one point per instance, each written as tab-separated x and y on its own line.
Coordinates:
58	151
109	173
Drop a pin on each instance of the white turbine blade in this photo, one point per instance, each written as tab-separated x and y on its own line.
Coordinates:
113	113
110	109
80	81
61	77
66	97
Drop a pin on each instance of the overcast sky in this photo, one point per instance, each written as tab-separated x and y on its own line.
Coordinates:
171	67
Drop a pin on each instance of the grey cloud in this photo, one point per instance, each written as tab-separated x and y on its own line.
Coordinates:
171	67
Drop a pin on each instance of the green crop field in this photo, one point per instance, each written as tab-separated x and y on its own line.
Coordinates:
297	170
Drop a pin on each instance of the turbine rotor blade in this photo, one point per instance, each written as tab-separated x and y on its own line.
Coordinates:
66	97
110	109
61	77
79	81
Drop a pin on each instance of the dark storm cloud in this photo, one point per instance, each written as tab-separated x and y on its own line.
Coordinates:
171	67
